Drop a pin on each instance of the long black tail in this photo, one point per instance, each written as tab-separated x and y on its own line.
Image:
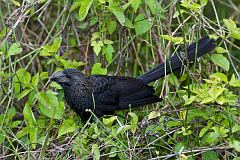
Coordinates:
194	50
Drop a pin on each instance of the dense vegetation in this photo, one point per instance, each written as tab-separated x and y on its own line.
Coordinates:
199	117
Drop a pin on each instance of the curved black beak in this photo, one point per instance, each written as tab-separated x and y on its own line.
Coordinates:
56	76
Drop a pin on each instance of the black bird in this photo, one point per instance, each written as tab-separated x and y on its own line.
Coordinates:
106	94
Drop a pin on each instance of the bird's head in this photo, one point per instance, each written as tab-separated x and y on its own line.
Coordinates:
67	77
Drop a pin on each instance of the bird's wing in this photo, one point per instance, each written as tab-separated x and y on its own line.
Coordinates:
122	91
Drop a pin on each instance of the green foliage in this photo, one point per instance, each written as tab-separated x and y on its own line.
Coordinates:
213	91
197	119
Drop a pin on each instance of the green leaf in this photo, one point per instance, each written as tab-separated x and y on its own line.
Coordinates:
230	24
177	13
175	40
49	105
67	126
210	155
21	81
141	24
190	100
109	121
203	131
173	80
135	4
128	24
232	27
75	5
49	50
207	100
236	128
221	50
97	69
95	151
190	5
29	116
216	91
219	76
119	14
107	41
133	122
153	115
85	6
24	93
154	6
109	53
234	82
221	61
11	112
35	80
203	2
111	26
71	63
235	144
97	46
14	49
56	44
16	3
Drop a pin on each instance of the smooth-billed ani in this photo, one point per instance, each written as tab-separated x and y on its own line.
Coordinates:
106	94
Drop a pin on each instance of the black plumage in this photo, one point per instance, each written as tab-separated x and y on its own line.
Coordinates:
106	94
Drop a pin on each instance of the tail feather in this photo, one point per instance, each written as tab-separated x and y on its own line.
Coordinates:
194	50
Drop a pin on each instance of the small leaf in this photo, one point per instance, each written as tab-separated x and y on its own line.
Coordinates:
95	151
85	6
190	100
153	115
173	80
97	69
133	122
207	100
119	14
210	155
35	80
111	26
221	61
67	126
97	46
29	116
236	128
24	93
49	105
154	6
215	91
135	4
235	144
56	44
175	40
203	131
75	5
221	50
109	121
14	49
141	24
234	82
16	3
129	24
203	2
232	27
109	53
219	76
